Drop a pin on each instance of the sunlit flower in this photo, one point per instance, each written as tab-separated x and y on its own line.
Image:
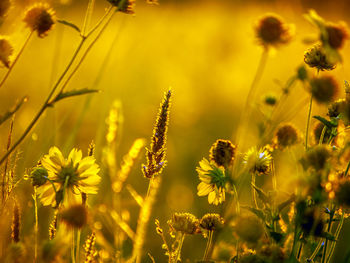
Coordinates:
258	161
125	6
40	18
211	222
212	183
75	175
272	31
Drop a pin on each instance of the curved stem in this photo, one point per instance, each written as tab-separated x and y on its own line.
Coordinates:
44	106
251	95
100	21
87	18
179	247
255	202
85	54
324	255
308	124
207	249
16	59
314	254
336	235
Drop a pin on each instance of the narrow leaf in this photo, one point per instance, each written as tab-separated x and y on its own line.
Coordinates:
70	24
73	93
262	195
12	111
327	123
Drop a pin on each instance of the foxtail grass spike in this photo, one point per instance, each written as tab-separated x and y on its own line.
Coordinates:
89	247
156	154
16	223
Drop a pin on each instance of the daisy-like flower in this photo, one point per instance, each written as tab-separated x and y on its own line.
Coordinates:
212	183
68	178
258	161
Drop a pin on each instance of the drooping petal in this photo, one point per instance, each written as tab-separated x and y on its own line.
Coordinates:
204	189
212	197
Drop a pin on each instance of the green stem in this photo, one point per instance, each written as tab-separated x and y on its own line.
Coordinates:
254	200
45	105
238	209
16	59
207	249
73	245
36	228
314	254
308	124
87	18
245	117
324	255
322	135
77	252
337	232
182	238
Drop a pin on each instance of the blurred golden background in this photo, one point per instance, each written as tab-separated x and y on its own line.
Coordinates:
205	50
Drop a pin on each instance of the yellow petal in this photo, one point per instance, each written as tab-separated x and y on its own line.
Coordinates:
205	165
212	197
75	156
204	189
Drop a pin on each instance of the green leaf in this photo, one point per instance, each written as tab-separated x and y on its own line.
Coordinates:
258	212
70	24
262	195
328	236
73	93
284	204
12	111
328	124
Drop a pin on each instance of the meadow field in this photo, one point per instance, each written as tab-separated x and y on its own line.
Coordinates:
168	131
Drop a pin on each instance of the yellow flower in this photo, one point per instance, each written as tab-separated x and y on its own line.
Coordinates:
258	161
212	183
68	178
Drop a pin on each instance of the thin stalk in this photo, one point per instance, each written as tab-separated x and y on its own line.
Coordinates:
322	135
77	252
255	202
251	95
16	59
299	251
45	105
87	18
73	245
314	254
207	249
324	255
182	238
235	196
336	235
308	124
88	49
100	21
36	228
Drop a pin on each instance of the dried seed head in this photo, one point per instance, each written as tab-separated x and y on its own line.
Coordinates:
4	7
287	135
324	89
316	57
336	34
40	18
75	216
222	152
317	157
249	228
272	31
125	6
211	222
53	227
39	176
342	191
16	223
185	223
6	50
91	149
